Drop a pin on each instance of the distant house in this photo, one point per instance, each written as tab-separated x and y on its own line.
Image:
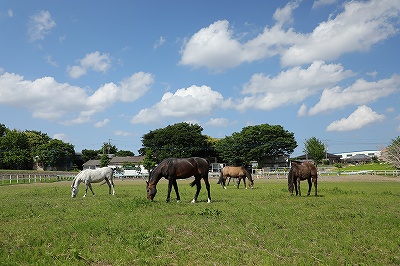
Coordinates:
358	159
333	158
345	155
131	165
91	164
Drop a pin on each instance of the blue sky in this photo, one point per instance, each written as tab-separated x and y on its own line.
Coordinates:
89	72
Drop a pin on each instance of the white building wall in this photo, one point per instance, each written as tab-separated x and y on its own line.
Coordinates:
371	154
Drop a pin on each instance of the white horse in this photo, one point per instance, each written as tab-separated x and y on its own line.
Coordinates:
89	176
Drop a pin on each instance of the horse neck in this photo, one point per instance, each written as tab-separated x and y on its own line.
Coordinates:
76	181
155	176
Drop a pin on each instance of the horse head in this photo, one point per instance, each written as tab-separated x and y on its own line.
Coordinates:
151	191
74	191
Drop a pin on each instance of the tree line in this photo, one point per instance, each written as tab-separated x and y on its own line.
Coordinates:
21	149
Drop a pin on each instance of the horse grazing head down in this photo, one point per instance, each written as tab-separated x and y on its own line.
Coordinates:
151	191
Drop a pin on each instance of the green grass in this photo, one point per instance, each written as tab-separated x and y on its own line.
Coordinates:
369	166
349	223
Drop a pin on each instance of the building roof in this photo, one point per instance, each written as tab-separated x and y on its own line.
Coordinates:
92	163
127	159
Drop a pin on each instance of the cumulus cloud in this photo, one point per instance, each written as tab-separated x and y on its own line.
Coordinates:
184	103
216	47
92	61
219	122
61	136
40	25
361	92
102	123
291	86
319	3
50	100
360	118
302	110
357	28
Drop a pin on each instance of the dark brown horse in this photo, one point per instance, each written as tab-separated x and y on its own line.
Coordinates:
302	171
179	168
239	172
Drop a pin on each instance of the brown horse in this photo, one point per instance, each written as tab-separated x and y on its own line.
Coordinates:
179	168
239	172
302	171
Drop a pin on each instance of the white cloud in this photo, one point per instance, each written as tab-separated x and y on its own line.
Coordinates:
61	136
159	42
50	100
93	61
216	48
51	61
357	28
184	103
291	86
122	133
10	13
285	15
102	123
319	3
40	25
361	92
360	118
302	110
219	122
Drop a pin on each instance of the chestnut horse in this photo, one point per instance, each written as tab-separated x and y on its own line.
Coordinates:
302	171
179	168
239	172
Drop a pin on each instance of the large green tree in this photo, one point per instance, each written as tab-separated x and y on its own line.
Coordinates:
55	154
15	152
178	140
256	143
314	149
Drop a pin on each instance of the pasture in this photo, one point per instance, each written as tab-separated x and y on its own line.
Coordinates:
351	222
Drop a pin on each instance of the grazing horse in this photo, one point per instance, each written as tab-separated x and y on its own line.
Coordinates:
302	171
239	172
179	168
89	176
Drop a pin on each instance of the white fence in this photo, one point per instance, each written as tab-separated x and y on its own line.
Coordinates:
33	178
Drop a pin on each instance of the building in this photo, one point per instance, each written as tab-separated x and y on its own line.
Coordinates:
333	158
346	155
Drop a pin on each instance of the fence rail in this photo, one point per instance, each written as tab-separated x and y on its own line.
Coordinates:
7	179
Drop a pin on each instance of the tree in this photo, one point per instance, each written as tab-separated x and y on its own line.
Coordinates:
315	149
392	153
108	148
55	154
178	140
122	153
149	162
90	155
256	143
104	160
15	150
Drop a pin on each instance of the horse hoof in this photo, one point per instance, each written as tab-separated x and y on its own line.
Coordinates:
178	201
224	187
193	201
209	201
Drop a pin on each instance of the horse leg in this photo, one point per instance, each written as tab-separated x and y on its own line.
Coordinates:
309	186
315	185
208	189
198	188
175	184
244	182
297	187
169	188
110	184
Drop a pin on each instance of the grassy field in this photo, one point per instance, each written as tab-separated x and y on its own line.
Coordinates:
350	223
